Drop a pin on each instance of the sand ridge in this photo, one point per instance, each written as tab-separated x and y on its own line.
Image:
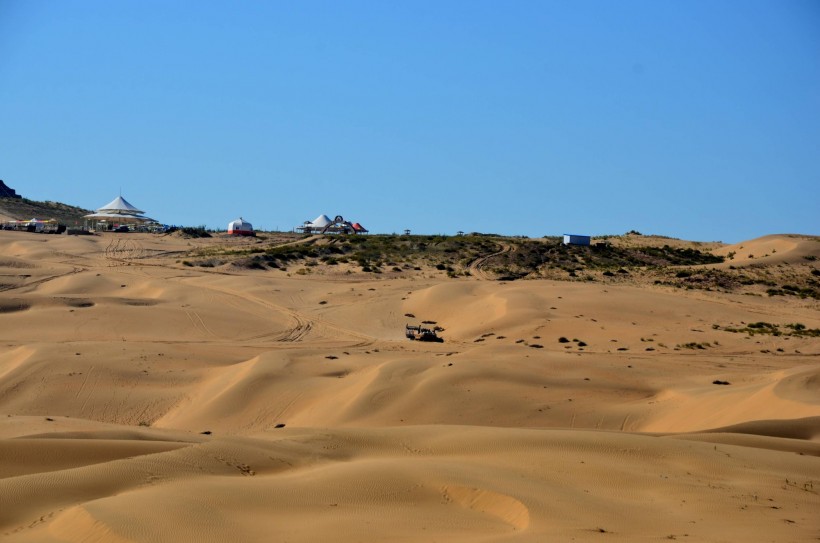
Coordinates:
145	400
773	249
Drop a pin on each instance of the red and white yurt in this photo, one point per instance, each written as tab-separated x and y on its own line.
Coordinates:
240	227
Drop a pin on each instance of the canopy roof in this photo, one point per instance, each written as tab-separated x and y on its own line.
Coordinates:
321	221
119	205
121	217
119	210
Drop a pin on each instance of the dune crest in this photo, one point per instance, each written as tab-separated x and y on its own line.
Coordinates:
773	249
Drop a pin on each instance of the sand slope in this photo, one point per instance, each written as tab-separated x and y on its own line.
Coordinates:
432	482
145	400
774	249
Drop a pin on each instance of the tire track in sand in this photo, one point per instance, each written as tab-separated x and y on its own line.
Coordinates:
303	325
478	267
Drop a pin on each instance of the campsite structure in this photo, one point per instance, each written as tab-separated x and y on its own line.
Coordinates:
118	214
323	225
240	227
576	239
46	226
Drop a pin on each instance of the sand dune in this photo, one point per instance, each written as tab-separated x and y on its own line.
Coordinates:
774	249
145	400
461	482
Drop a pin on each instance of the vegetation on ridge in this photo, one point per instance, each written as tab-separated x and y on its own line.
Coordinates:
380	253
24	209
530	257
502	257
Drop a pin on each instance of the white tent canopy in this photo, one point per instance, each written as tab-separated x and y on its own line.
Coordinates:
119	216
119	205
119	210
321	221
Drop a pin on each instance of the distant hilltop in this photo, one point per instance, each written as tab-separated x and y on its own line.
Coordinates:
18	208
7	192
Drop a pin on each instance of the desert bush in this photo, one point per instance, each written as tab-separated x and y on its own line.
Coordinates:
694	345
195	232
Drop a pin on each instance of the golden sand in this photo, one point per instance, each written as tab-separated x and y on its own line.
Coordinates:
143	400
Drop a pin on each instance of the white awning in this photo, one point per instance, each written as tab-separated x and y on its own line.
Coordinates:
119	205
123	217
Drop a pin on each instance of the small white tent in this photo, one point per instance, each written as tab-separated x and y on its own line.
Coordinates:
321	221
240	227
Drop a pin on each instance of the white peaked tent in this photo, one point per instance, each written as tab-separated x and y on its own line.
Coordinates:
240	227
120	205
321	221
118	211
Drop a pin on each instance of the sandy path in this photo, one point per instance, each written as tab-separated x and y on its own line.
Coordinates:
478	268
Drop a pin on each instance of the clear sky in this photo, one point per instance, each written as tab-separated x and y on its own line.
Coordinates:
697	119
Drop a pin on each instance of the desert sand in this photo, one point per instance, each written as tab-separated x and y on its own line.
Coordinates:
144	400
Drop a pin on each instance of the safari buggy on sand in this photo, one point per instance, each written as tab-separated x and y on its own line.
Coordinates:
420	333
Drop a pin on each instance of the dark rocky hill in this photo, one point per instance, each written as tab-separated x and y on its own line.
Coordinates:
7	192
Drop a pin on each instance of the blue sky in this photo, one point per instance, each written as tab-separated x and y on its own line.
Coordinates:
695	119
